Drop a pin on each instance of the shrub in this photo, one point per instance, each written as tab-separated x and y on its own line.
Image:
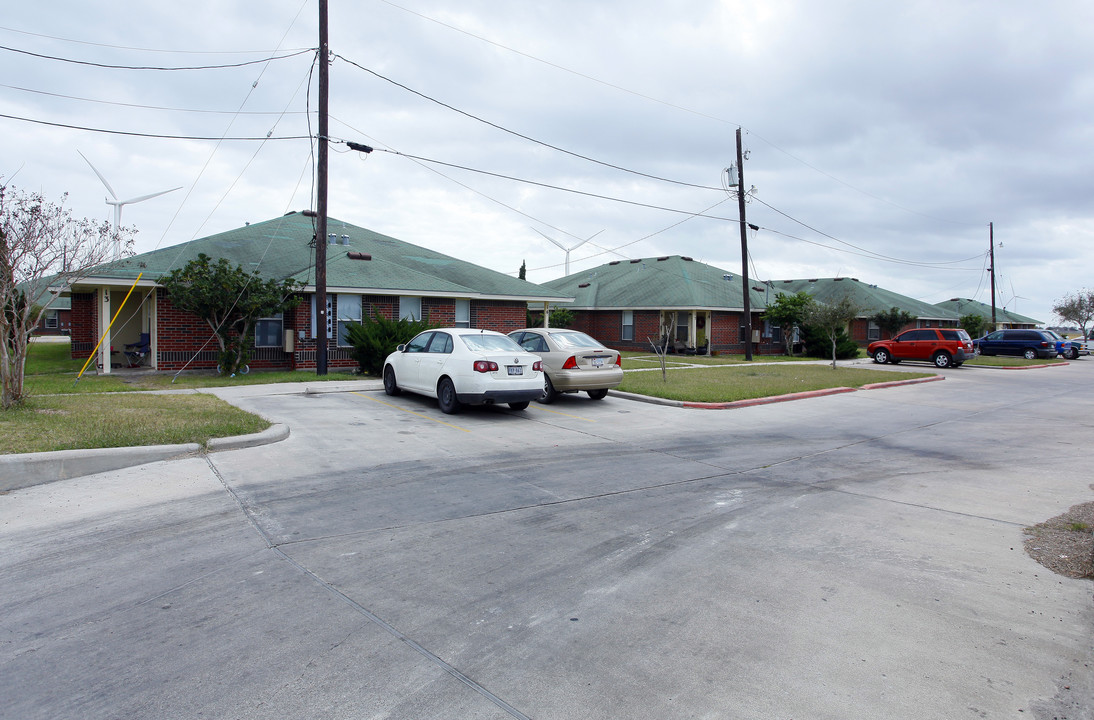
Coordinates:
818	345
374	338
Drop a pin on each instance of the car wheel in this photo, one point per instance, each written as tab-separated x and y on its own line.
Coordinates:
1030	354
446	397
1074	354
390	386
598	394
881	356
942	360
518	405
549	393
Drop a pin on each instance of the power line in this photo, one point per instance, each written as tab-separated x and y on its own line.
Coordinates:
146	107
665	103
521	135
143	49
864	250
547	185
152	67
152	135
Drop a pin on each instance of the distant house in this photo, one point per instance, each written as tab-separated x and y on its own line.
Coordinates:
628	303
367	273
870	300
57	319
698	307
1003	318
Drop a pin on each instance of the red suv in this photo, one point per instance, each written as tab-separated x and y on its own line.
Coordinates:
945	347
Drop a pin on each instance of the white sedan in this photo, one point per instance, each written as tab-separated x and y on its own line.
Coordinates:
461	366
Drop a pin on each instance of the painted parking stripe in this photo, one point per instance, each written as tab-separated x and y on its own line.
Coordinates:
412	412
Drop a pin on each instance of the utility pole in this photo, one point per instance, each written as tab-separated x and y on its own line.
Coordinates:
321	338
991	269
744	247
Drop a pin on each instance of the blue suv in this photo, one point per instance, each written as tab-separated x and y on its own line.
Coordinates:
1030	344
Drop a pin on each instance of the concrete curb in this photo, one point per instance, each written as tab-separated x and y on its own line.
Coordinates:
29	469
752	402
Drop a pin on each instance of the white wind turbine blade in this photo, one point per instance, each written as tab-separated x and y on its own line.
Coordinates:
149	196
110	189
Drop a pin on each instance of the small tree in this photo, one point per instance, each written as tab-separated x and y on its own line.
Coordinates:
789	312
891	321
230	300
43	250
1077	308
832	319
523	273
975	325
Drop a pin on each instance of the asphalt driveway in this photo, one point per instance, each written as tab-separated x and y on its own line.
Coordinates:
851	556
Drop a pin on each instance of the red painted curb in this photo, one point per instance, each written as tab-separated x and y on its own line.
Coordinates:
1026	367
898	383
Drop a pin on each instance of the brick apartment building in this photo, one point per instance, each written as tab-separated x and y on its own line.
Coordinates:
367	273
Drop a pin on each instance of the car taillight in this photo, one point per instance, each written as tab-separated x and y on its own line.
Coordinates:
619	360
537	366
485	366
1044	343
570	363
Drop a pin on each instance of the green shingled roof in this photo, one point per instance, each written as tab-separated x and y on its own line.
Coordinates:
965	306
668	282
281	248
870	299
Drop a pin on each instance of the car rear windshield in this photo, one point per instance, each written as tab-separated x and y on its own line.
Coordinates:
958	334
573	339
480	342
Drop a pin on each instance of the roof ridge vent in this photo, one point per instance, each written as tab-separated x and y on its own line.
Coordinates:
636	260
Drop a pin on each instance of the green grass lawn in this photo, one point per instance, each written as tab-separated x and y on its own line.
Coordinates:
1009	361
745	382
99	411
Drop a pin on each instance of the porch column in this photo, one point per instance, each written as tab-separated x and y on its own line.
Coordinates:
103	356
546	314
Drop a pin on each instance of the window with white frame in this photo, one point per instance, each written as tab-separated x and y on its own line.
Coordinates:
682	320
51	319
463	314
628	325
410	307
268	331
873	331
349	311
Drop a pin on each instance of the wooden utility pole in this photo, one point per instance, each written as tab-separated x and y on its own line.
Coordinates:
321	338
991	270
744	247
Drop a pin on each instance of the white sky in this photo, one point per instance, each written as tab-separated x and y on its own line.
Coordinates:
896	130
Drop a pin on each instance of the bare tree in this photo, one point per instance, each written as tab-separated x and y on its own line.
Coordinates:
1077	308
43	250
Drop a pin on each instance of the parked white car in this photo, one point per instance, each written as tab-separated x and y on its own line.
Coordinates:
462	366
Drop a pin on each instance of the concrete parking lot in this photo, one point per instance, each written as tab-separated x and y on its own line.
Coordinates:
852	556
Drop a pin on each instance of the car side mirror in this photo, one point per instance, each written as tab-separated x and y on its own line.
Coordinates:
401	348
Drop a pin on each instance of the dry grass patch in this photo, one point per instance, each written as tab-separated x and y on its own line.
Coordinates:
1065	544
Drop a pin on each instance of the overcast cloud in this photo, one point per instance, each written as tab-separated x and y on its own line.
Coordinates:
882	137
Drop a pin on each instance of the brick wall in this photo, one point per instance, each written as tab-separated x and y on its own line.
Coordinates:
85	324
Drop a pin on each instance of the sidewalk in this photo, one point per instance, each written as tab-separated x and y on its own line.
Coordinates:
28	469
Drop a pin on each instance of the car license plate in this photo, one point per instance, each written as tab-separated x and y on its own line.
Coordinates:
516	369
598	362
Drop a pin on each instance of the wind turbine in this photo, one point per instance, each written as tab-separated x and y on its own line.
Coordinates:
119	203
566	249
